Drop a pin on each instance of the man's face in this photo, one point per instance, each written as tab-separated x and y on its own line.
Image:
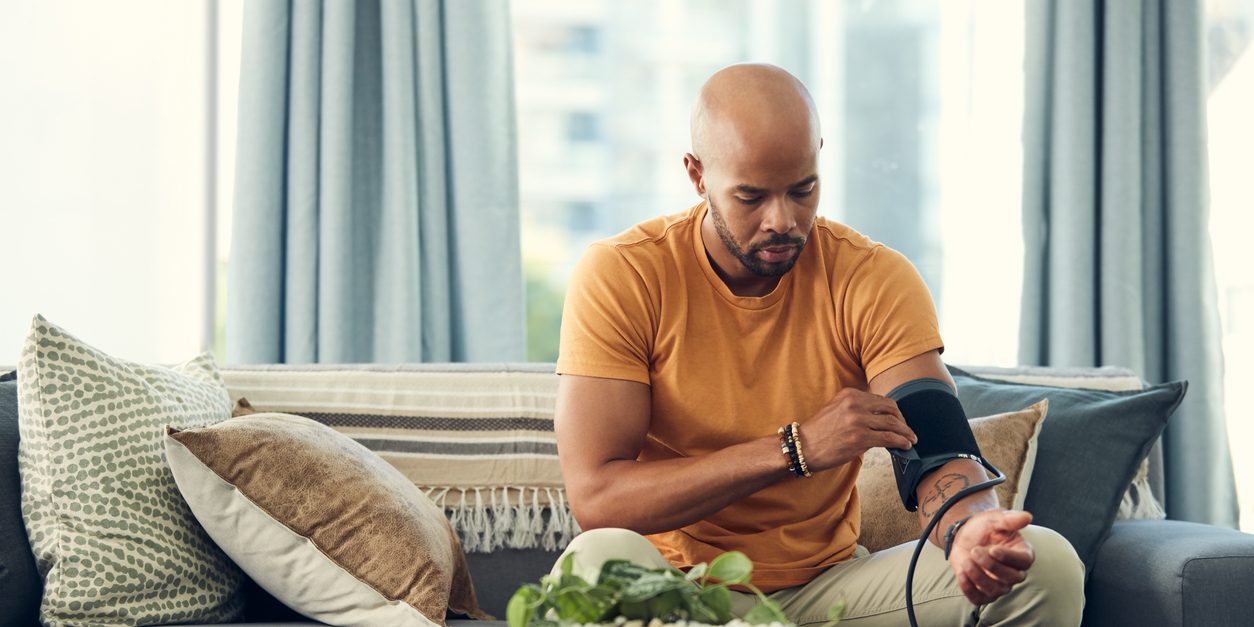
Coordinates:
763	209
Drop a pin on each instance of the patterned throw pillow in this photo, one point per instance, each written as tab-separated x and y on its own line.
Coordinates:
334	532
1008	441
112	536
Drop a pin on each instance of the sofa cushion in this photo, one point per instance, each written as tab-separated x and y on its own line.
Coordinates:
1008	441
305	511
19	605
114	539
476	438
1139	502
1172	573
1089	449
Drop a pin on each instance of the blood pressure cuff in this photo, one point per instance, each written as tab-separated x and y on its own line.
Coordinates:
934	414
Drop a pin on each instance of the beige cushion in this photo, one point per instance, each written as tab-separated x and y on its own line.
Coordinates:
477	439
325	525
1008	441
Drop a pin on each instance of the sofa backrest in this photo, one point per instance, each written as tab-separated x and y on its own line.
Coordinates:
1111	378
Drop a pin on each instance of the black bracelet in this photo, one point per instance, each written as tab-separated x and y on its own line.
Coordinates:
789	447
953	531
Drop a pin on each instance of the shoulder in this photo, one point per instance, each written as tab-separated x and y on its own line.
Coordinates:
645	246
650	234
849	253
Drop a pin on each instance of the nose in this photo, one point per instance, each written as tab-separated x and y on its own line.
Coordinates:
778	217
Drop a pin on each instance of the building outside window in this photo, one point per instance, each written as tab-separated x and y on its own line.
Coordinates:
921	104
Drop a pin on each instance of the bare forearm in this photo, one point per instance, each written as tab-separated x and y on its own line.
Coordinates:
942	484
655	496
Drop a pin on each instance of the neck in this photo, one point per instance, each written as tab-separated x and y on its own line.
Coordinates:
734	274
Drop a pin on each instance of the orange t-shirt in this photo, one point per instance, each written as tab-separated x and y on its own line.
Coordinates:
647	306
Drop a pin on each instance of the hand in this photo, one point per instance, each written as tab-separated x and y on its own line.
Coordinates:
849	424
989	555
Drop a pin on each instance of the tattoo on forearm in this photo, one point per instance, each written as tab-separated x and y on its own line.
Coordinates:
946	486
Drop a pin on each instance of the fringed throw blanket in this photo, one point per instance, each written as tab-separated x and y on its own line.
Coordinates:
476	439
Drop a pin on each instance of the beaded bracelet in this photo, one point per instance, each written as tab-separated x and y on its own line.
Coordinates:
790	446
801	457
784	449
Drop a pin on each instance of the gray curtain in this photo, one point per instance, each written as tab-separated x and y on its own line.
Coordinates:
376	208
1118	259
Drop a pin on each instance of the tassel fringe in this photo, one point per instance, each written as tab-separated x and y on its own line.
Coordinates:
509	517
1138	501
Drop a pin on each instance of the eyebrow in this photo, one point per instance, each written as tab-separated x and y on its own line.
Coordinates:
749	189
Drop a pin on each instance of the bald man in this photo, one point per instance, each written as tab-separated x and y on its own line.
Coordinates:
690	339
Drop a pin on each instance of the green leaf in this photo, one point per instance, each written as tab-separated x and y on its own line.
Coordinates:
638	610
697	572
718	600
837	611
606	601
568	564
617	574
732	567
576	606
665	605
764	613
523	604
651	585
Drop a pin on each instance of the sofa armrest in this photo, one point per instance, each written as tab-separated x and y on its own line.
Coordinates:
1169	572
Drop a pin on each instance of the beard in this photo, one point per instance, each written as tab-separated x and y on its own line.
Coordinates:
748	257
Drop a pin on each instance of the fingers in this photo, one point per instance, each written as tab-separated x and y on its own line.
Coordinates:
885	416
1017	558
1014	520
982	578
853	422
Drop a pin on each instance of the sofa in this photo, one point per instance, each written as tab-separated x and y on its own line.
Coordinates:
1142	570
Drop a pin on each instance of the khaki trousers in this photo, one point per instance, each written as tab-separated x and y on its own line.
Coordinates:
873	585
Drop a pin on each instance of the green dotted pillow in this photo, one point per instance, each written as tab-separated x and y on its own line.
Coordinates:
112	536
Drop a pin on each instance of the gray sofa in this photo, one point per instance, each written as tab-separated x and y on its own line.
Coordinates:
1147	572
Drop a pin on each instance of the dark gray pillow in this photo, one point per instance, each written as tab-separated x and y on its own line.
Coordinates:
19	603
1091	443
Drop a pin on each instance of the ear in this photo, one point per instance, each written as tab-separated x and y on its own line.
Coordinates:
696	173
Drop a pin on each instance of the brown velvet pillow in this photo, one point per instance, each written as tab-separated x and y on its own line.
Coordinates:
324	524
1008	441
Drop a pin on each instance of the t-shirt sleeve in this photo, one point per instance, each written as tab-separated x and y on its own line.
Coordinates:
607	320
888	312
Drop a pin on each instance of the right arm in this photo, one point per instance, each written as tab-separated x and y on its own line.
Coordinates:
601	426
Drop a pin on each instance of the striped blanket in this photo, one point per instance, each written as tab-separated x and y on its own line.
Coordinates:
477	439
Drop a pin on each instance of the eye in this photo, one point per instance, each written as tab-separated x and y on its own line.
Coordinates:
753	200
802	193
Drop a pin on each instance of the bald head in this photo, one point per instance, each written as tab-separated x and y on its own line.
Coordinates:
753	107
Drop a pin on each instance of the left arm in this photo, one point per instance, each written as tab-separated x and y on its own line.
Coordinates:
992	555
936	487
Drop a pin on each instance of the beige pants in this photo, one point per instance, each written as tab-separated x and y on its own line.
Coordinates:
873	586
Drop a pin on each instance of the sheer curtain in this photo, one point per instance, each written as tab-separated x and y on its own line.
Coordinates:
376	210
1118	259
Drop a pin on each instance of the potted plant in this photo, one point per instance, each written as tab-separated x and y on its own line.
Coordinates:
625	592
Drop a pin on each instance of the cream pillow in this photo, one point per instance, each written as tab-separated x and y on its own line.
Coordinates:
324	524
1008	441
112	537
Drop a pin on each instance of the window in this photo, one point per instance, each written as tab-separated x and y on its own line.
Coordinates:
583	39
921	104
117	171
582	126
1230	105
105	174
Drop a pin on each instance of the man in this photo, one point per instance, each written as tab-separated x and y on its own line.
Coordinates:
689	340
